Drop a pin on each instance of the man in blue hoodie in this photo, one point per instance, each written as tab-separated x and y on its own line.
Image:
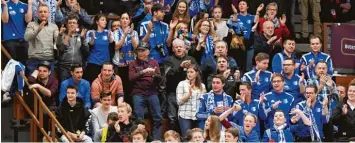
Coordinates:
259	77
277	99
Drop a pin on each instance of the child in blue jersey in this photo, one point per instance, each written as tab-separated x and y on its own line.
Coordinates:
318	114
157	34
281	131
259	77
248	106
99	39
182	32
294	84
204	30
276	99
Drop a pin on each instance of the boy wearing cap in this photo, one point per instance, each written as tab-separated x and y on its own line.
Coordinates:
144	74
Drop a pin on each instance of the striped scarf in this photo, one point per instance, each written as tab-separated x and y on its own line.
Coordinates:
314	128
280	131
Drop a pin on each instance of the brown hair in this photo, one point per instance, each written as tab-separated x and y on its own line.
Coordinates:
233	131
277	75
172	133
261	56
214	132
186	14
198	25
198	80
190	132
140	131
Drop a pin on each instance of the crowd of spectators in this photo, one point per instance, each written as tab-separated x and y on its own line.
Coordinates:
217	70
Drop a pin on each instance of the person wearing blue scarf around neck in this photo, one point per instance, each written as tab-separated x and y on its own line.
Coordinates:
99	40
126	41
204	30
318	114
248	106
277	99
282	132
215	102
157	34
259	77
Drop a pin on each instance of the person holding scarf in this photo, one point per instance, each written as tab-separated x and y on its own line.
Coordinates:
127	41
281	30
204	30
157	34
99	40
214	102
281	132
317	112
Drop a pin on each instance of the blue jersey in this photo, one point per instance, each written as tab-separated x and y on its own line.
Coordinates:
292	87
197	6
285	105
252	137
264	84
272	135
15	27
147	17
247	22
100	52
126	52
278	60
306	58
83	90
254	108
316	111
158	37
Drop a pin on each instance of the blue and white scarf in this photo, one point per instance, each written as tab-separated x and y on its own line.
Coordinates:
208	49
210	105
275	21
127	50
314	128
280	132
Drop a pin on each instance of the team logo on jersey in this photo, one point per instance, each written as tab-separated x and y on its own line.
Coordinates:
297	106
22	10
245	111
318	110
295	83
266	79
249	21
285	101
272	100
286	87
253	109
10	7
12	12
104	38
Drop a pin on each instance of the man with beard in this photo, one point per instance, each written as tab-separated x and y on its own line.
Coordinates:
318	114
294	84
327	88
175	69
289	45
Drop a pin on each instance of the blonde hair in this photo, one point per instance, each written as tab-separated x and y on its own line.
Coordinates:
214	132
125	105
237	42
177	28
172	133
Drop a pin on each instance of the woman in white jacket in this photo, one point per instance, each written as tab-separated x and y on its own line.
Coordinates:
188	95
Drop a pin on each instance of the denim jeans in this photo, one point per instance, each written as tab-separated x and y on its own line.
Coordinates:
32	65
64	73
172	112
140	102
186	124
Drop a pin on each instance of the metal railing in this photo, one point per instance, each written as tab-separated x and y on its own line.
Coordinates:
38	112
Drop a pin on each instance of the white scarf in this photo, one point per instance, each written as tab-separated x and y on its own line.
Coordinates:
280	131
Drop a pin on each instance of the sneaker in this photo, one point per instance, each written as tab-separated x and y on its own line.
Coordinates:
6	97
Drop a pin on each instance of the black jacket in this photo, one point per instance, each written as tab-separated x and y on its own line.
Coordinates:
346	123
174	73
261	46
73	118
125	132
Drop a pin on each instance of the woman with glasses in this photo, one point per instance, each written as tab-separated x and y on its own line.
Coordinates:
281	29
204	30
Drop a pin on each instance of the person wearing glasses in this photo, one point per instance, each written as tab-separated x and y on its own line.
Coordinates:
276	99
281	30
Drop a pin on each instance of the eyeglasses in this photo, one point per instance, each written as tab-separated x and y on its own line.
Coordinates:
272	9
116	25
287	64
276	81
206	25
